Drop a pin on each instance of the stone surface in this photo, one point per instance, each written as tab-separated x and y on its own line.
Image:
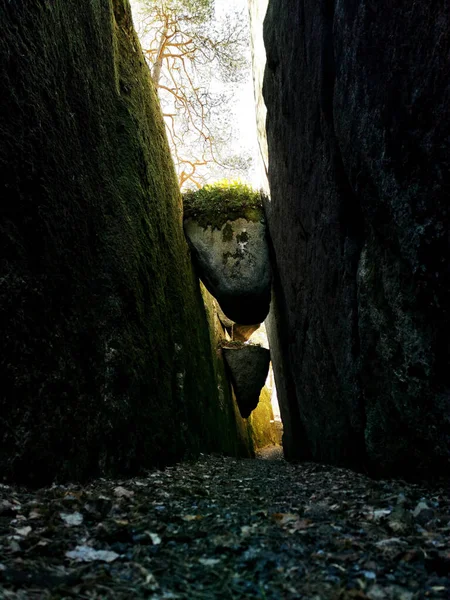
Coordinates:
263	427
233	263
236	434
358	133
248	366
237	332
105	355
225	321
242	333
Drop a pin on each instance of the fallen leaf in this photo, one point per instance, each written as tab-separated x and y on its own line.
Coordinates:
285	518
381	513
156	540
121	492
24	531
72	495
301	524
72	519
209	562
390	542
88	554
369	574
14	547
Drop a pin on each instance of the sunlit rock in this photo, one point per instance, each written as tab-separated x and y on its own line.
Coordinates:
242	333
233	263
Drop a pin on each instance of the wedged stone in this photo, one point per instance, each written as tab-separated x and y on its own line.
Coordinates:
233	263
242	333
248	366
226	322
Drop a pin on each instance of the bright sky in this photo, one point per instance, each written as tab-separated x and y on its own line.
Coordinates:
244	107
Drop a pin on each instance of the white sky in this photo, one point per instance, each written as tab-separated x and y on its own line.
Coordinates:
244	106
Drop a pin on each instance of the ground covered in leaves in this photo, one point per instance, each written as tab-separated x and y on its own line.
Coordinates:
231	529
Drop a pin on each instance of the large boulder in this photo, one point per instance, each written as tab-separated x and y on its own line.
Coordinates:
233	263
248	366
225	227
358	129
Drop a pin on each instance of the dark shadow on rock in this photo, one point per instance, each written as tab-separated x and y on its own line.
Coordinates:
248	367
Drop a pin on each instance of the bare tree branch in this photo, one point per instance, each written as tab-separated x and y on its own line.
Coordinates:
187	49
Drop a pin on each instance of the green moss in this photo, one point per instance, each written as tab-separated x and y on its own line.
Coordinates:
106	353
231	343
233	433
262	430
227	233
215	204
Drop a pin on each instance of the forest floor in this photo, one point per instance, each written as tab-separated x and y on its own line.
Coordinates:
220	528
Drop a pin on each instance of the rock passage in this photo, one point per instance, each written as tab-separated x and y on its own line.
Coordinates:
226	528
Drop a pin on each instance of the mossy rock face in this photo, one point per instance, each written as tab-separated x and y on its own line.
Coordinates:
105	354
236	435
261	421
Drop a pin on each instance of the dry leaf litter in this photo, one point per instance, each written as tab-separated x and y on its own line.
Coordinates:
225	528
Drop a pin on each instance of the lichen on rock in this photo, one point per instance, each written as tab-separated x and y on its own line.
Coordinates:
225	227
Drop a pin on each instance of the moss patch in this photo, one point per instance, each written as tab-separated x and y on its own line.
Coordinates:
105	354
215	204
262	430
233	433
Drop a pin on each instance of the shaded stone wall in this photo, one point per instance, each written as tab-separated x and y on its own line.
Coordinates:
358	134
105	355
236	433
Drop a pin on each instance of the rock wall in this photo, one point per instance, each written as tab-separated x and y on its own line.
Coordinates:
105	354
236	433
358	134
263	427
